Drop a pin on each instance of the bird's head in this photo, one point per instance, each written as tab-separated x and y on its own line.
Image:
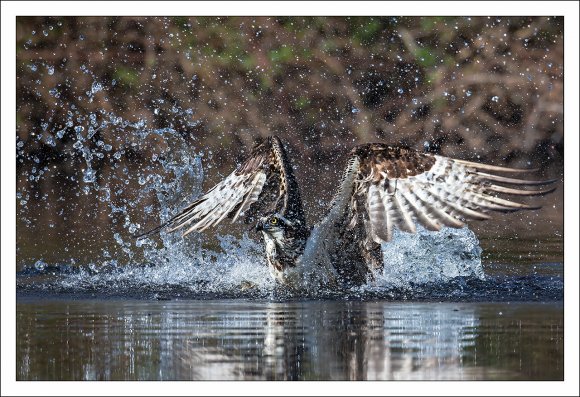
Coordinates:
285	239
274	225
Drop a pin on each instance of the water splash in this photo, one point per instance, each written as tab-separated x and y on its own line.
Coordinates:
421	265
426	257
175	268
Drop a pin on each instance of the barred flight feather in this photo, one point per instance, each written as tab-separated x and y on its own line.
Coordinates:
240	190
383	187
431	190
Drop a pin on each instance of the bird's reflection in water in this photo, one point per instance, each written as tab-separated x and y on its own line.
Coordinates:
311	340
333	341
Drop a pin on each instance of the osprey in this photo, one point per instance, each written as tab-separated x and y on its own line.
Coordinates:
383	187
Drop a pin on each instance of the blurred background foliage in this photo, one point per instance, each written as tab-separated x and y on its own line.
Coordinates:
480	88
489	88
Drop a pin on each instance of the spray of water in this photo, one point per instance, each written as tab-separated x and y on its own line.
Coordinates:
171	262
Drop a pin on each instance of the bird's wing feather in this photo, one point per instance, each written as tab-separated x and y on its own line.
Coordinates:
388	187
262	183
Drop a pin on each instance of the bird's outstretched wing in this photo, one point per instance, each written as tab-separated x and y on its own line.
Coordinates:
384	187
263	183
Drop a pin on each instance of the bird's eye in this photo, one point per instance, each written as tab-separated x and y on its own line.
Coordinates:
273	221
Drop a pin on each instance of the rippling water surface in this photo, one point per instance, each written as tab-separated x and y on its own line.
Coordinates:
94	303
129	339
189	313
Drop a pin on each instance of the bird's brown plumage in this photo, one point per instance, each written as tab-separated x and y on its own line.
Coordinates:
383	187
386	187
263	183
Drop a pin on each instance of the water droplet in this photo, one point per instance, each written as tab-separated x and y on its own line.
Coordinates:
50	141
91	133
143	180
495	98
96	87
40	265
89	175
118	239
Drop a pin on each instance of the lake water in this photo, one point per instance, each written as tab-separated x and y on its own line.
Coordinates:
128	339
93	305
186	318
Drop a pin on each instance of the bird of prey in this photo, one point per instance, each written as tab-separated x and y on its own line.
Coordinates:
383	187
